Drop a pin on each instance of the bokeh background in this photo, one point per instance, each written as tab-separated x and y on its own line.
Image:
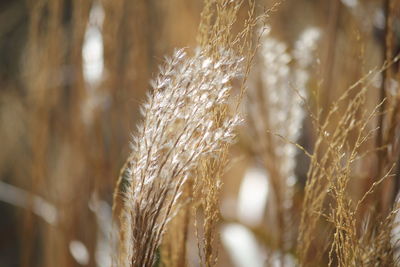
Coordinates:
72	77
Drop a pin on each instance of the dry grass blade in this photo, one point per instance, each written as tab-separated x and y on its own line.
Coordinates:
215	33
327	170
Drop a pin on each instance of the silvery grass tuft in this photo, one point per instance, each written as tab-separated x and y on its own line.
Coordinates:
178	130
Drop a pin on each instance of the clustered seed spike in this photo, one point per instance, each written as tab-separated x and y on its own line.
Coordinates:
178	130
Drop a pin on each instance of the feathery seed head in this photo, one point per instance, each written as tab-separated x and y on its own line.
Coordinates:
179	128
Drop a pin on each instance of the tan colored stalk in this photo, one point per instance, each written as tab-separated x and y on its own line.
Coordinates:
326	164
216	24
330	172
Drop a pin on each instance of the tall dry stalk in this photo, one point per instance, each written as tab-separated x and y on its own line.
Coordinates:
217	22
326	162
206	190
331	169
48	75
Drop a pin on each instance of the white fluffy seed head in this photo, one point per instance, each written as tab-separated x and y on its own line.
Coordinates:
178	129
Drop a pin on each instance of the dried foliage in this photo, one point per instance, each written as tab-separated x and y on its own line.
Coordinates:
254	145
331	168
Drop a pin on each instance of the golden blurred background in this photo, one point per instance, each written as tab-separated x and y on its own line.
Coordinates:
72	77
